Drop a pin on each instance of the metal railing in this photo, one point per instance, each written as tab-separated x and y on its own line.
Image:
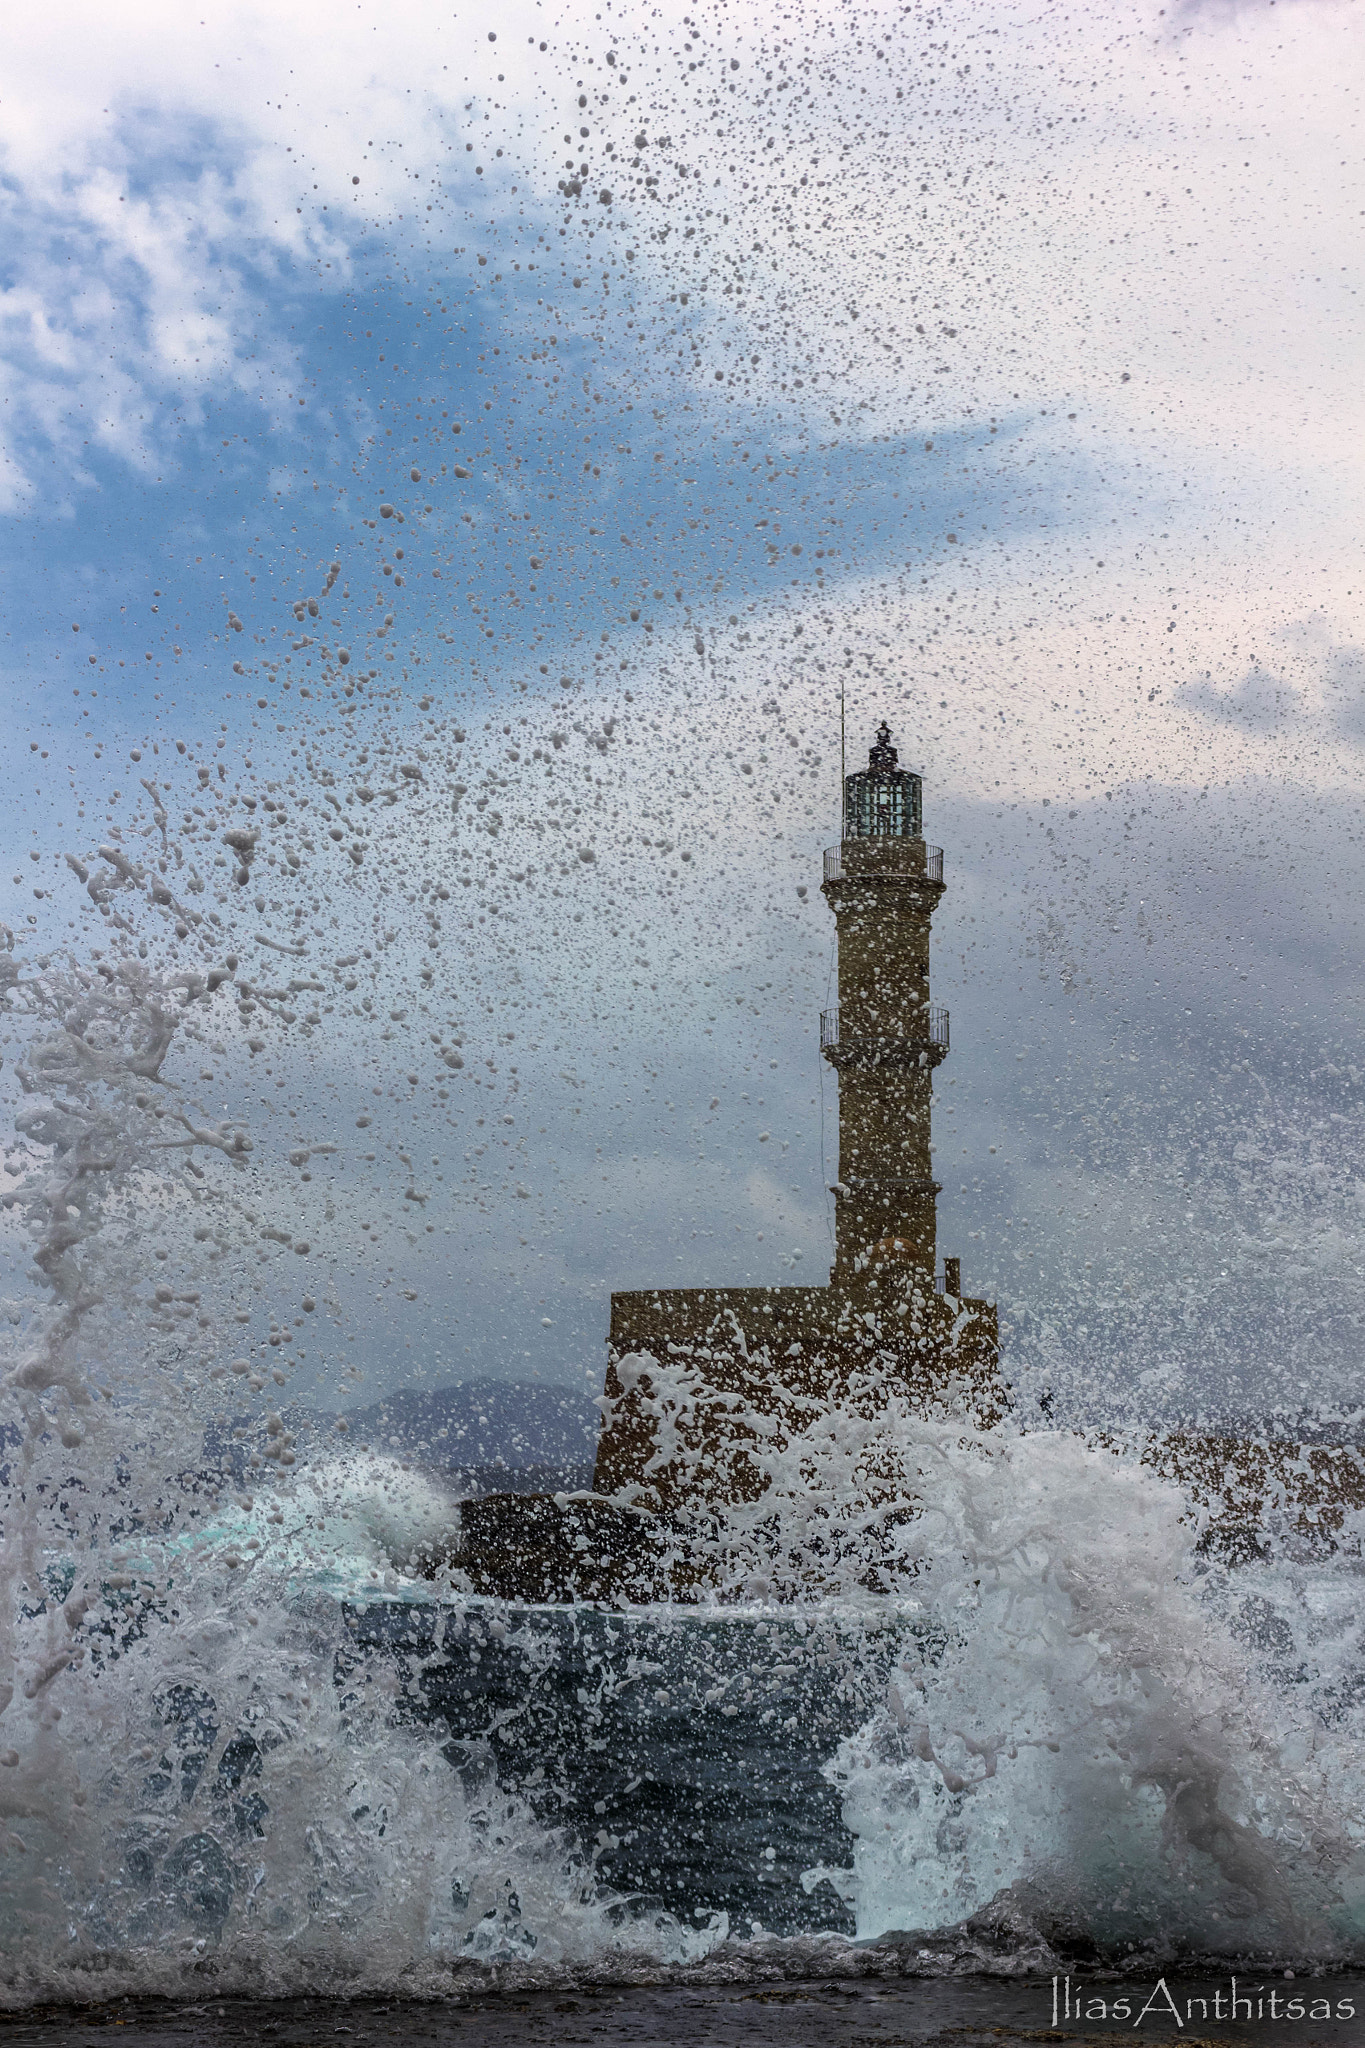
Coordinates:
834	863
937	1033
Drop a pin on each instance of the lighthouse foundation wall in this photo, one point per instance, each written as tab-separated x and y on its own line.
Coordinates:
703	1383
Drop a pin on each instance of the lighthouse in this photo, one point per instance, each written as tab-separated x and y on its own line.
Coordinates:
711	1368
702	1383
886	1037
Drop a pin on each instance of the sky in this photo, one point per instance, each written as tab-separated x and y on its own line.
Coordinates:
485	463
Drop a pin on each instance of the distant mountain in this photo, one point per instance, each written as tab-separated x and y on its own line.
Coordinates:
485	1426
485	1435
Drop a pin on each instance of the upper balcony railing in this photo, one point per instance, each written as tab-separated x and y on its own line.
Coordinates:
934	1016
834	863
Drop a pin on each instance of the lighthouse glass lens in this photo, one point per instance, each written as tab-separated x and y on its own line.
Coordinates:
883	805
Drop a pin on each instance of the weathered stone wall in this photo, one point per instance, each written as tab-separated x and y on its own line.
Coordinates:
698	1378
1246	1485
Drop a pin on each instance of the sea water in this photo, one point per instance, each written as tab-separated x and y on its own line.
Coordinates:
256	1748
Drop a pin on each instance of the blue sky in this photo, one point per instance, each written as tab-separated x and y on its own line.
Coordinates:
730	503
997	373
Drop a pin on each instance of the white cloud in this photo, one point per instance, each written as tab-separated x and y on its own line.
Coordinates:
1003	214
165	176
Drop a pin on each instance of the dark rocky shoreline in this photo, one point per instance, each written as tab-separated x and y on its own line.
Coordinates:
876	2011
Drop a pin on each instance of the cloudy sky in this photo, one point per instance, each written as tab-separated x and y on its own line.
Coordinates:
625	388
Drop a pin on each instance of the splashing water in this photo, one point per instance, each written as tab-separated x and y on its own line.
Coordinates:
260	1747
1095	1742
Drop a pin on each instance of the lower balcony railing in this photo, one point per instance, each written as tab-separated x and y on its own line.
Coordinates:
930	1028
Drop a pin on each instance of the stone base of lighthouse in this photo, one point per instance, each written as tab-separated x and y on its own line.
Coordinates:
701	1380
705	1388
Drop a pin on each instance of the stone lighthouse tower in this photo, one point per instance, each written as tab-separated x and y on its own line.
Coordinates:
705	1384
886	1037
700	1368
